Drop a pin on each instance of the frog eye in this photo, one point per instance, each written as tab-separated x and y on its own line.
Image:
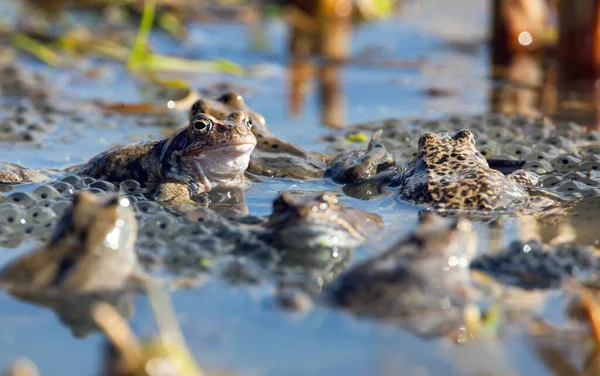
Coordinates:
249	122
202	124
195	106
113	201
279	204
465	135
426	139
232	99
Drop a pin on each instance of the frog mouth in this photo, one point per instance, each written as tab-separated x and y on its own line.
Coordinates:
223	165
317	233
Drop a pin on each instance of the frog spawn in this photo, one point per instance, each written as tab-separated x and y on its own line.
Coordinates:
34	214
187	244
532	265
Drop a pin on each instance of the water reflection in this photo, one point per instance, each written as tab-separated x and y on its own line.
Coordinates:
531	85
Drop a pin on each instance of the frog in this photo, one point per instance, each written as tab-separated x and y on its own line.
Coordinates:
318	220
194	160
361	165
315	234
89	258
449	172
307	232
273	156
421	282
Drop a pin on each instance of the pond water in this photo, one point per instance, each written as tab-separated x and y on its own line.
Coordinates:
240	327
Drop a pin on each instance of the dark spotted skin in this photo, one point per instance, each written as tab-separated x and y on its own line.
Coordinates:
449	173
140	162
153	161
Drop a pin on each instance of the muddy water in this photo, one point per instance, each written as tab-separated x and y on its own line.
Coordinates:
239	327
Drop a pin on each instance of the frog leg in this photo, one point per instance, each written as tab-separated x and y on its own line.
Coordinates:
565	233
11	173
528	228
176	195
533	182
525	178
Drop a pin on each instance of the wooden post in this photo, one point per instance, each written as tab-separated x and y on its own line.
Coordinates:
579	39
319	27
518	26
332	100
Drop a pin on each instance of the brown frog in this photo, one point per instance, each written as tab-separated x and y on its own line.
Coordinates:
205	154
318	220
361	165
89	258
422	282
419	282
273	156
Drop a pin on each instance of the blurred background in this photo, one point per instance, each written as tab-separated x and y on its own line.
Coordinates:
310	67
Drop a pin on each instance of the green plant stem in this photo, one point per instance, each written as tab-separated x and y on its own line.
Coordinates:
37	49
138	52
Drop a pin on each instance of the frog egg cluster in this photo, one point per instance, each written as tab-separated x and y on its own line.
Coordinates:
183	243
16	82
530	265
197	241
30	119
34	214
27	118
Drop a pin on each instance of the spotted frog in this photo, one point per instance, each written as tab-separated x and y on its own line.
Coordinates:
449	173
205	154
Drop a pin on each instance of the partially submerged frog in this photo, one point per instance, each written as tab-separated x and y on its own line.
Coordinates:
319	220
306	233
205	154
448	172
273	156
420	282
90	257
361	165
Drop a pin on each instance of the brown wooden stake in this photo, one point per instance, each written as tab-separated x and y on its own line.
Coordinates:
332	100
579	39
518	26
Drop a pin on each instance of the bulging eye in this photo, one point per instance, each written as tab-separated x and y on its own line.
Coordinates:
425	139
465	135
279	205
232	99
202	124
249	122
